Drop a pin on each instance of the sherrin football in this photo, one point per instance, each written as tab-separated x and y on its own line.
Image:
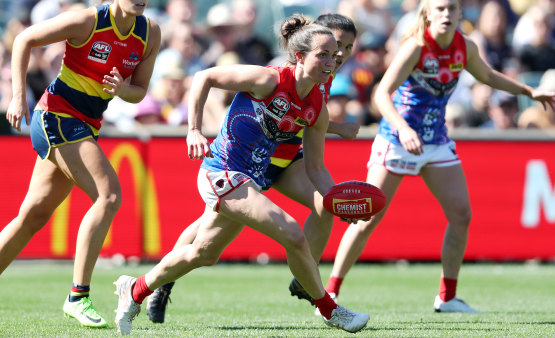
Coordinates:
354	199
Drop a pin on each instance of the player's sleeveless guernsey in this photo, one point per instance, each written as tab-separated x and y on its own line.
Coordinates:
253	128
422	98
77	90
287	150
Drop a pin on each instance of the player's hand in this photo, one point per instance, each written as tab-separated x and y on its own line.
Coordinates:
410	140
546	98
354	220
16	110
114	81
197	145
348	130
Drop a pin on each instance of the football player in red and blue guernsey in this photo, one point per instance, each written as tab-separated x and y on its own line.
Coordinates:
286	173
272	105
412	137
109	50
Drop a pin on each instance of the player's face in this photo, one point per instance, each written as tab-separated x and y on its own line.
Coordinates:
444	15
345	41
133	7
319	63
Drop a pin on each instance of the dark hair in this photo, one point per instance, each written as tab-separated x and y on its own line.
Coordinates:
337	21
296	36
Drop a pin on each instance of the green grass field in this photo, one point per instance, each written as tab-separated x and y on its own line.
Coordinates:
241	300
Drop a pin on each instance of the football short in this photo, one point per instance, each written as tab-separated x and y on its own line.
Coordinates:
50	130
397	160
213	185
273	172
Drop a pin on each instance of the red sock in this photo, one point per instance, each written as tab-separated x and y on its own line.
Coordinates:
140	291
326	305
447	289
334	283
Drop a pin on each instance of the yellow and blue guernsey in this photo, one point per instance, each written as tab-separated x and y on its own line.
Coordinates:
77	91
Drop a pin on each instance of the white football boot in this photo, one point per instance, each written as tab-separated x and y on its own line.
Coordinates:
454	305
347	320
127	307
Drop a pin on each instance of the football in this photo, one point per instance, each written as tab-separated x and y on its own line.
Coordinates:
354	199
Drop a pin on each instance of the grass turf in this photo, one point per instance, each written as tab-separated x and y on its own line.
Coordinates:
242	300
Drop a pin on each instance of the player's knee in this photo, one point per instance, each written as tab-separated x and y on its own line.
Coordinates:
111	202
460	215
366	227
294	239
202	257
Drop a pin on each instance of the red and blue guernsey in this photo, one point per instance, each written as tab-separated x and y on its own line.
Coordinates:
77	91
253	128
287	150
422	98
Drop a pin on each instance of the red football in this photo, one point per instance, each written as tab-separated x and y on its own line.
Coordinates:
354	199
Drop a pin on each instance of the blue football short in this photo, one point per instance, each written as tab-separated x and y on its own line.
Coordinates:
50	130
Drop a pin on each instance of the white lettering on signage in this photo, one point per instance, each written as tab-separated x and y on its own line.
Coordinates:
538	192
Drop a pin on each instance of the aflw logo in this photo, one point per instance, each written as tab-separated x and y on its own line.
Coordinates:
538	192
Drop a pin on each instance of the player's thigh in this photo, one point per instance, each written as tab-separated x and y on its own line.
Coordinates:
449	186
48	188
388	182
86	164
246	205
215	232
295	184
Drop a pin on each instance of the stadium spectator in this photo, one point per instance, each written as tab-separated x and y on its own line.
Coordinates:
490	35
502	111
182	50
365	69
412	138
341	92
66	123
538	55
165	103
233	170
223	28
368	15
537	116
250	48
525	31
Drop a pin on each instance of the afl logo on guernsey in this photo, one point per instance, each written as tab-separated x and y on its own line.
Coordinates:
100	52
430	67
278	107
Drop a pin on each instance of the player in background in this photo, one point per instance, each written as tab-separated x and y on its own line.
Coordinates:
272	104
412	137
286	173
110	50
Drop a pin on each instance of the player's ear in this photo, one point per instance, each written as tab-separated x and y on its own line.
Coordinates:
300	57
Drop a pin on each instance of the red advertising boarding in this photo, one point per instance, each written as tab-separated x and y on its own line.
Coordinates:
511	186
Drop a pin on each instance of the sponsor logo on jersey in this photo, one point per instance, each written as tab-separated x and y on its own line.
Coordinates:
456	67
301	122
132	62
278	107
100	51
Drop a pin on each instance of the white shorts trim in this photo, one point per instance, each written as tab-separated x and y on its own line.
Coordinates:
213	185
397	160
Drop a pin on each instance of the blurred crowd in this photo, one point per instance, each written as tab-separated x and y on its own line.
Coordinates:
517	37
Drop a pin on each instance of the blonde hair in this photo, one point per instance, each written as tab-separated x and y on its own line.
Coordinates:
421	24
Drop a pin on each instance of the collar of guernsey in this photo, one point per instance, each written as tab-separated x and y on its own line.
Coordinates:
77	91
